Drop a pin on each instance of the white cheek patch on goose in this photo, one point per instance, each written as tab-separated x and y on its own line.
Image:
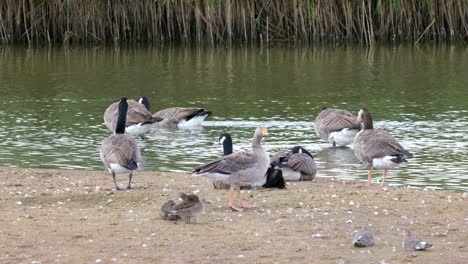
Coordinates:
385	162
221	141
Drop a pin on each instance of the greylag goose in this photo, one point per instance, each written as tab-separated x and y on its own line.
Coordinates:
377	149
363	238
190	207
296	165
139	120
120	152
177	116
274	176
414	243
336	126
239	169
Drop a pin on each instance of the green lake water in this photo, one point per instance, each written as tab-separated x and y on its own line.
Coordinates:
53	100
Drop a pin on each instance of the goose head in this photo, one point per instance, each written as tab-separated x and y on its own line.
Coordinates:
226	140
144	101
261	132
364	119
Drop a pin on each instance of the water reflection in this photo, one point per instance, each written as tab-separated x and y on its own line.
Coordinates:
53	101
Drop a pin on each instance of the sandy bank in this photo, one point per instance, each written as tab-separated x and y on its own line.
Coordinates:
75	217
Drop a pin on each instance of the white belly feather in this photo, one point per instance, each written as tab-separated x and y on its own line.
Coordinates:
290	175
195	121
385	162
343	137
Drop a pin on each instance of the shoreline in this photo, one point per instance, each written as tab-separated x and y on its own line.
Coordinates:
74	216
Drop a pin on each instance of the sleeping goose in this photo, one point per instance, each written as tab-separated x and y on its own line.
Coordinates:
120	152
177	116
274	176
297	165
377	149
336	126
239	169
139	119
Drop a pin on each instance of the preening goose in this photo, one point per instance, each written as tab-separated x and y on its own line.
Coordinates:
274	176
178	116
377	149
190	207
414	243
239	169
363	238
296	165
139	119
120	152
336	126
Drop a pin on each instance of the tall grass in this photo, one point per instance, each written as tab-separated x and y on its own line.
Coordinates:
215	22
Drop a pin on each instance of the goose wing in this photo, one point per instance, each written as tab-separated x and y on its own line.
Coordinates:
180	113
303	163
372	144
120	149
330	120
136	113
229	164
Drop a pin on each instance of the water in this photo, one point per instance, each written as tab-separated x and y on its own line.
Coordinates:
53	100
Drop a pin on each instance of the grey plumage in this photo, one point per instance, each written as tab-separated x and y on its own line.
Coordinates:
166	208
274	177
331	120
414	243
363	238
239	169
377	149
119	152
189	208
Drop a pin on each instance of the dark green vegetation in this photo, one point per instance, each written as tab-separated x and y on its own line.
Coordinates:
224	22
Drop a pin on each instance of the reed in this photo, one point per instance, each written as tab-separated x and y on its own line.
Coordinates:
221	22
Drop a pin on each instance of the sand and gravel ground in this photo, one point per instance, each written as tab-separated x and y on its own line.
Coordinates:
59	216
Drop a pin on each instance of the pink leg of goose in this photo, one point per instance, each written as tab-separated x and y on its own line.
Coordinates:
384	175
231	201
243	203
369	176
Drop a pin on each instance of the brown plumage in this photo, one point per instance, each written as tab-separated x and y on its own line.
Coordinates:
177	116
139	120
190	207
119	152
377	149
336	126
297	164
166	208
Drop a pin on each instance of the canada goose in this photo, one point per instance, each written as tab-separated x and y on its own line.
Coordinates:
363	238
377	149
414	243
239	168
274	176
297	165
177	116
190	207
120	152
336	126
139	120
